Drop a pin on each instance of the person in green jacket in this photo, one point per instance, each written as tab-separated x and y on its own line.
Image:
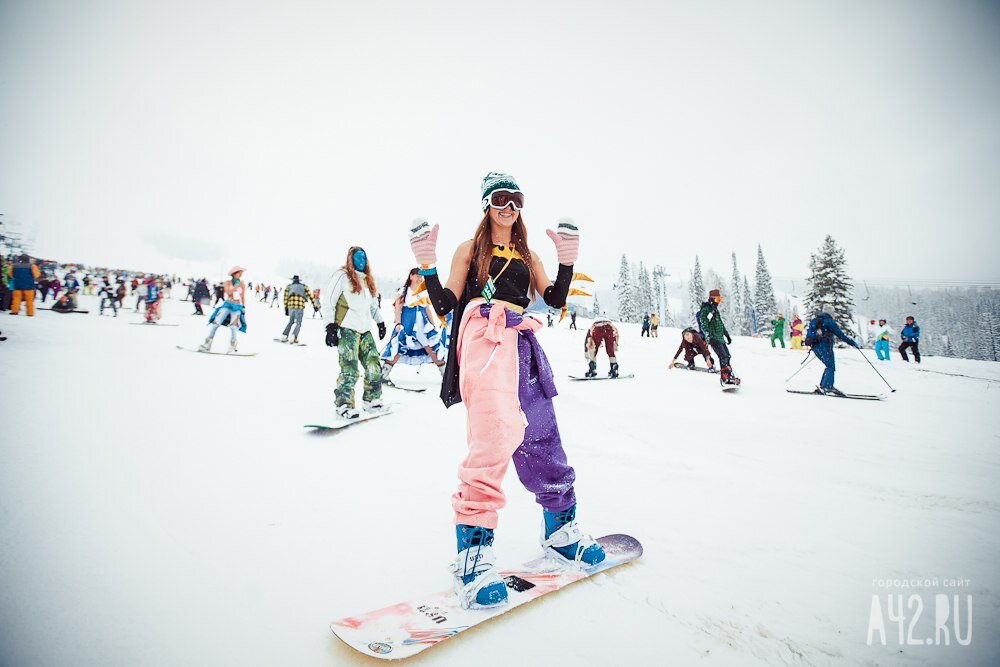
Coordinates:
714	330
779	331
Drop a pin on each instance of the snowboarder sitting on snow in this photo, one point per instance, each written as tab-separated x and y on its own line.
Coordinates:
714	330
779	331
882	334
911	339
693	344
820	335
602	330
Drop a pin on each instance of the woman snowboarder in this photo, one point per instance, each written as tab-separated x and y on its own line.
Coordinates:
231	313
498	368
350	309
415	340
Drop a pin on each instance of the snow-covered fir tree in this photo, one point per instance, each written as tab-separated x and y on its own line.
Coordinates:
829	283
597	307
625	293
644	291
989	336
763	298
696	291
749	311
737	310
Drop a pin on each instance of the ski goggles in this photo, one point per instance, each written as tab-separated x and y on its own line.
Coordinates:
501	199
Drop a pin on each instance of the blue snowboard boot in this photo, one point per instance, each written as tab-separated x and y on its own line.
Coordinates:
477	581
563	541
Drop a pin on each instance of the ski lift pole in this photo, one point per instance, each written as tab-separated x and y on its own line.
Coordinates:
802	364
875	369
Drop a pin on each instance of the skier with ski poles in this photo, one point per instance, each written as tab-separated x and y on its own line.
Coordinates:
232	312
820	336
714	330
601	331
693	344
911	339
350	309
296	295
497	366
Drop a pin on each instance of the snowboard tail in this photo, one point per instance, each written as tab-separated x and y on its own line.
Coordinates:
602	377
405	629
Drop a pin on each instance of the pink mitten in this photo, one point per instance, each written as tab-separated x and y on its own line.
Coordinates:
566	240
423	241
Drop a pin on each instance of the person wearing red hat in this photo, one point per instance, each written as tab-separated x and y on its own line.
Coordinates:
232	312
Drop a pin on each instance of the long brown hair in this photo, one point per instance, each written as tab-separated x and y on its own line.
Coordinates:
352	273
482	250
406	284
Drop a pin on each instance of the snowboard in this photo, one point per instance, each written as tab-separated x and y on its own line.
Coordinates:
288	342
153	324
860	397
405	629
66	312
224	354
730	388
339	423
393	385
696	368
602	377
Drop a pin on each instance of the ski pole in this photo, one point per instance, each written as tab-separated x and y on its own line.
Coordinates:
802	364
875	369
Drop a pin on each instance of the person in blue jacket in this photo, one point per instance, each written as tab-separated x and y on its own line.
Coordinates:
820	336
911	339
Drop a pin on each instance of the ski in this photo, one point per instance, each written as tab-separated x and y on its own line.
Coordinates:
696	368
153	324
224	354
405	629
388	409
860	397
602	377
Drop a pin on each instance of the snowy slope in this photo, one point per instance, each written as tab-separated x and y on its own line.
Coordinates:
162	507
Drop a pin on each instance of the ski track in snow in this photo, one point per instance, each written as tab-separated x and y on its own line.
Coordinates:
159	507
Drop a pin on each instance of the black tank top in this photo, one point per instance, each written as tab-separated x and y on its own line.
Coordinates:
513	284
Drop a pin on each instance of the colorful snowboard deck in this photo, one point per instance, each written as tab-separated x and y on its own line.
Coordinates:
405	629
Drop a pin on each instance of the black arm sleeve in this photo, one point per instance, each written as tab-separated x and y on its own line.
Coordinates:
442	298
555	294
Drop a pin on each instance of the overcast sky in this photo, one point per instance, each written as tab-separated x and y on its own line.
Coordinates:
161	135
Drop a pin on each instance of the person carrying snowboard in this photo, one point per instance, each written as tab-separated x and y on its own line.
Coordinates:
779	331
296	295
350	309
796	332
883	332
496	365
415	338
714	329
601	331
911	339
692	344
821	334
232	312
